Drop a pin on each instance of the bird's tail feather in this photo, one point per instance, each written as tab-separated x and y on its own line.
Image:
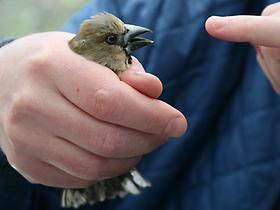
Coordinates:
112	188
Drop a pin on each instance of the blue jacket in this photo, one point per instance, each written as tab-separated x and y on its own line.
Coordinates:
230	157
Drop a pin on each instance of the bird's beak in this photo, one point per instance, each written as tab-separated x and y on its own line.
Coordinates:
132	41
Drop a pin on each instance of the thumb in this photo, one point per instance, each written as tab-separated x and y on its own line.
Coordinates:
145	83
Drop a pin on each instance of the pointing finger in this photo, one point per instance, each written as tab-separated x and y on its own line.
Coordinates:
258	30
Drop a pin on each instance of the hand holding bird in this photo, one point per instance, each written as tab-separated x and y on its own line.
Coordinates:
68	122
106	40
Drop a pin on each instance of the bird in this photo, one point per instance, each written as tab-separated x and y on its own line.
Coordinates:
107	40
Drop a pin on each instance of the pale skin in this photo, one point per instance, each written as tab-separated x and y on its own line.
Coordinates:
263	32
67	122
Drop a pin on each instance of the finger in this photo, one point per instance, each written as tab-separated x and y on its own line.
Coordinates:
108	140
262	31
63	119
80	163
72	159
272	9
43	173
104	139
99	92
39	119
136	65
32	139
145	83
85	165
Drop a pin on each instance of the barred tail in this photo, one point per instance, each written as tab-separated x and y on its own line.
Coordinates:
117	187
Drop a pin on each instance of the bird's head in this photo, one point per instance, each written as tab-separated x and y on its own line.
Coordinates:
107	40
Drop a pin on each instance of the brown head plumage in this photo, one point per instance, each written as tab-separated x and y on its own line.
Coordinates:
105	39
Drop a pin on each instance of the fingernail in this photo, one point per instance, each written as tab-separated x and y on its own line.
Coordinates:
176	127
217	22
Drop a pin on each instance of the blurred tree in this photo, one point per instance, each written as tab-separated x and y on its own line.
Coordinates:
21	17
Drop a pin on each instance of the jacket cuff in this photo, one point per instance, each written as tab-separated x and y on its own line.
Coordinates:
4	41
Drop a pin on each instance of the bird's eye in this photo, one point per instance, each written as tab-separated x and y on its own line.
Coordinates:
111	39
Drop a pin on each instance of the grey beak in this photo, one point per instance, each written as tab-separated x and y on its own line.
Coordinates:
132	39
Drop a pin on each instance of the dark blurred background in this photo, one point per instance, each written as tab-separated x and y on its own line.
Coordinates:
22	17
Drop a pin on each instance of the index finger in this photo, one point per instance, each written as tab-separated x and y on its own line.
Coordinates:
258	30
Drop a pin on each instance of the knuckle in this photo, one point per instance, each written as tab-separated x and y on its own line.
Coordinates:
22	104
15	119
103	106
40	60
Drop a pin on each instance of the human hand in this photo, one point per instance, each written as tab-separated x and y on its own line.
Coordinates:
261	31
67	122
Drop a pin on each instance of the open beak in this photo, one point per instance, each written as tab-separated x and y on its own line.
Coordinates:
132	40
